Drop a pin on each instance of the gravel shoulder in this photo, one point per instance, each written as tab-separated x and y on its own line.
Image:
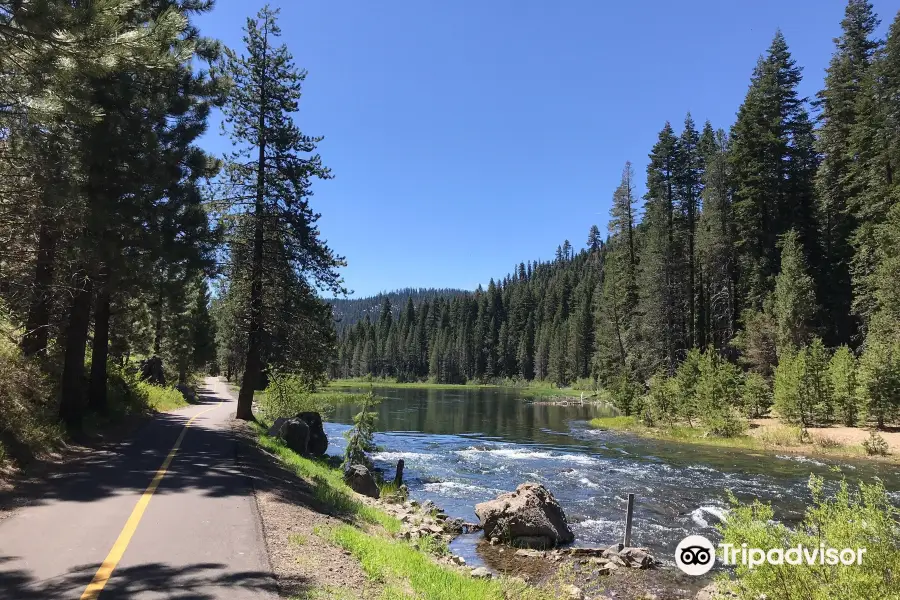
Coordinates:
305	565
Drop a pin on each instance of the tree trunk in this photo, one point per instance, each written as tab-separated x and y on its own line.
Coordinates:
38	321
97	400
158	323
254	345
70	406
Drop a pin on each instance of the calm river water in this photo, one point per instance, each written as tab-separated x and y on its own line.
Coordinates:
465	446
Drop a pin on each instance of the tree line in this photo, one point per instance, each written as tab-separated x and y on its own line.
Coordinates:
349	311
768	245
120	237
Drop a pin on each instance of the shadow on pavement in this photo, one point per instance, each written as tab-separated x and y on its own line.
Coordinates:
205	462
198	581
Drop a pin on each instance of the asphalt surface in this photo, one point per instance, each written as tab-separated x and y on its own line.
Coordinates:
200	536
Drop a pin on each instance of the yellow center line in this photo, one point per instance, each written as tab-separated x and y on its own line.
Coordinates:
115	555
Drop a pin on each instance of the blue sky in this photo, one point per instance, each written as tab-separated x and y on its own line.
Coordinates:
468	136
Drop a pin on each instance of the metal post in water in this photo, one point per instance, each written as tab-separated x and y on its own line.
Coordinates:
398	478
628	514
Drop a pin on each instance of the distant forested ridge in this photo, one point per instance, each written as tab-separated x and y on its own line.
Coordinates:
349	311
765	246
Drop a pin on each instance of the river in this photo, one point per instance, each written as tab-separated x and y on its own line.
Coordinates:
465	446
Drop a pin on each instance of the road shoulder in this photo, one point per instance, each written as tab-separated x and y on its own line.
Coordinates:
304	564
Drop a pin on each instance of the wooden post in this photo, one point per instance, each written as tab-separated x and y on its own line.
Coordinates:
627	541
398	478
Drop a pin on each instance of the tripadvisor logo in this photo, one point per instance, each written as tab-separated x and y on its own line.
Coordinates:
696	555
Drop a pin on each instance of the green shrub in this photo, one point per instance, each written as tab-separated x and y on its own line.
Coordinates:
864	518
28	410
287	395
626	395
586	383
842	371
686	387
360	439
718	394
875	445
803	392
879	378
162	398
661	401
756	395
782	435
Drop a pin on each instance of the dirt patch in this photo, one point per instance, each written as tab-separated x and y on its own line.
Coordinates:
845	436
304	564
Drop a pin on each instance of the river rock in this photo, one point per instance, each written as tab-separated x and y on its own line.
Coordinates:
481	573
528	517
361	480
572	592
275	429
638	558
295	434
318	441
612	551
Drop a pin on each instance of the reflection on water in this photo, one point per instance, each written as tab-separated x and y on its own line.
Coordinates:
465	446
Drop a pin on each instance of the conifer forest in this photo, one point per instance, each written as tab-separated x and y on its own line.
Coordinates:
761	266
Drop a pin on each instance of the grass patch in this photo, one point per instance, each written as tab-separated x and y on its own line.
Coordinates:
620	423
775	438
162	399
782	435
534	389
400	566
328	485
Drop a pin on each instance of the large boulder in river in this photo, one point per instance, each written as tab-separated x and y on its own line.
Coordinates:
295	433
528	517
318	441
361	480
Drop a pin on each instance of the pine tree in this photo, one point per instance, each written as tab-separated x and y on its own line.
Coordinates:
660	274
875	146
842	371
837	191
794	298
715	243
273	166
594	241
772	163
689	179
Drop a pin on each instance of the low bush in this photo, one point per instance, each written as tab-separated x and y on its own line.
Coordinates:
782	435
28	410
861	518
823	441
875	445
287	395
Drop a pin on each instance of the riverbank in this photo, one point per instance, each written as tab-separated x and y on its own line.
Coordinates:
327	541
766	435
539	389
